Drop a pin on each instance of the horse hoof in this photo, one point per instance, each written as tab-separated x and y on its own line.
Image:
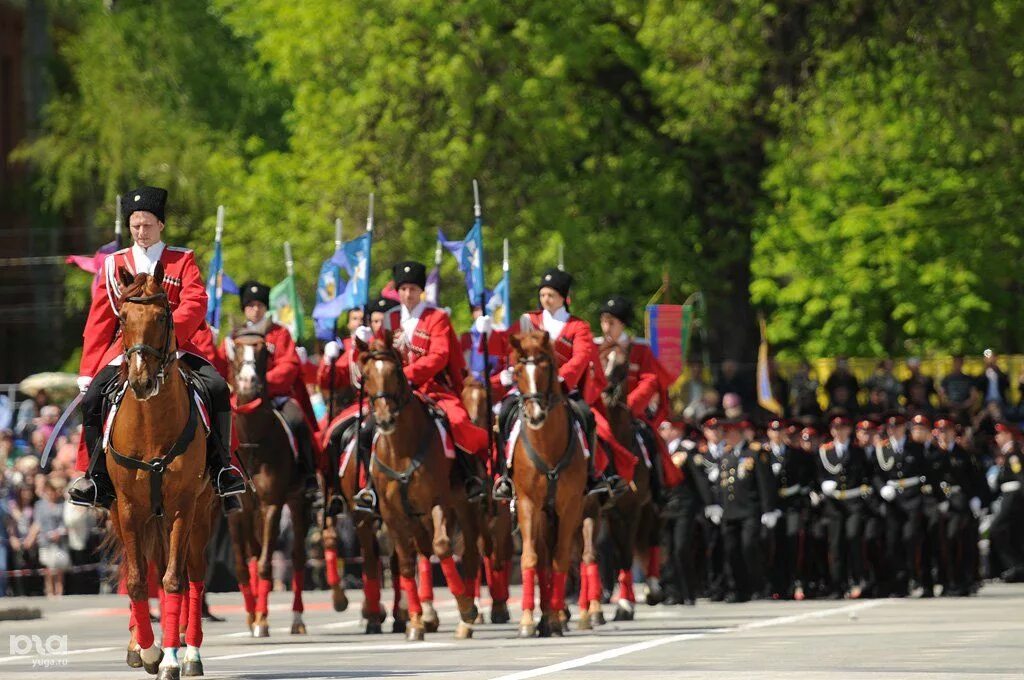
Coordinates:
339	598
599	619
154	668
399	626
298	628
470	616
584	623
558	629
373	628
463	631
261	630
414	634
169	673
432	625
134	659
499	613
192	668
527	631
544	628
479	618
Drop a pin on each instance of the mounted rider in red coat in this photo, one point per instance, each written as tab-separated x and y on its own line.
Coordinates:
576	357
647	385
102	349
284	385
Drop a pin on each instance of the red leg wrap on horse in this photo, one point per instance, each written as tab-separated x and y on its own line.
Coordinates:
254	572
409	588
248	597
169	615
298	583
452	576
654	562
529	579
472	586
426	572
143	627
371	594
331	567
194	630
558	591
263	595
183	618
490	576
593	582
584	588
626	585
544	579
506	574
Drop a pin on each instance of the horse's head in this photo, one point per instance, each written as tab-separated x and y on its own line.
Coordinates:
383	380
248	354
474	397
147	331
615	363
536	375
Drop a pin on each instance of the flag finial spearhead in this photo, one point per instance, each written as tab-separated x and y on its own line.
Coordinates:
477	210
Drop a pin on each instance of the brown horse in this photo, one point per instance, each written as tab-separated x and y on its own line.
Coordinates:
156	458
367	534
265	449
419	499
550	475
496	540
631	520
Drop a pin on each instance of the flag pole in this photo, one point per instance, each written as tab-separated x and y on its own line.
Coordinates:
337	234
218	235
117	223
561	257
366	322
337	247
486	337
289	264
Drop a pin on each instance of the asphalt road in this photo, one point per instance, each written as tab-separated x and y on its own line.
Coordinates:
978	637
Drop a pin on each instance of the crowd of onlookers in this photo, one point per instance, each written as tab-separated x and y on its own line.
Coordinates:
42	538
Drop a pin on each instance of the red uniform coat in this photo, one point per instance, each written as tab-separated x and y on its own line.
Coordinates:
434	366
186	293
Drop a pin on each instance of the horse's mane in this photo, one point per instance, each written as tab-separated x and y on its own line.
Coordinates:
534	342
138	287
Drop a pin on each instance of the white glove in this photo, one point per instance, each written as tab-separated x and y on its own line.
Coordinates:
770	519
303	354
776	468
713	475
483	325
364	334
816	499
508	376
944	507
975	504
888	493
828	487
83	383
332	350
714	513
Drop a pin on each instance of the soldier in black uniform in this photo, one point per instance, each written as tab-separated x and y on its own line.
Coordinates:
844	479
899	473
962	484
1006	530
747	492
685	503
711	451
794	474
877	567
933	504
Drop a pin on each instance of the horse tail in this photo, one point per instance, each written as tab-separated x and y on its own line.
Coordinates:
111	549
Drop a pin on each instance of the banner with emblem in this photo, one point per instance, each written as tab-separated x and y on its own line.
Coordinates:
217	283
665	334
286	307
765	398
329	300
499	307
469	253
354	257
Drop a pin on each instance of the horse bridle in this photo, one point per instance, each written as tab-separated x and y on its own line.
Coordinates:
398	401
165	356
543	399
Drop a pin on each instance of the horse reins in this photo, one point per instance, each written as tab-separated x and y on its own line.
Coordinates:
165	356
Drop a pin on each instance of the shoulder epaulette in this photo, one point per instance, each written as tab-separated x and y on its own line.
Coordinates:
178	249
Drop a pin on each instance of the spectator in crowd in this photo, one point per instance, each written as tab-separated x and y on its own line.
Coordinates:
732	378
5	528
803	395
47	420
732	405
842	388
38	438
28	412
22	542
52	536
918	389
959	390
993	383
694	388
883	380
6	449
696	411
878	403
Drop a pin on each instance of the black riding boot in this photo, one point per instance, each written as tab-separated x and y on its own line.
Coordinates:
227	480
475	491
366	498
503	489
94	489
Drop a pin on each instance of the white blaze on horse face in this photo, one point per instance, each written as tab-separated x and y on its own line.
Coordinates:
531	377
613	360
247	374
379	364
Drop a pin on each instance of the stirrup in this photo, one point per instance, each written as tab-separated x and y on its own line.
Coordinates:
503	489
82	503
366	500
230	492
475	490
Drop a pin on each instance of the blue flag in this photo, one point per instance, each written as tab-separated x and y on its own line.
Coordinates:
354	256
215	286
328	288
469	253
499	306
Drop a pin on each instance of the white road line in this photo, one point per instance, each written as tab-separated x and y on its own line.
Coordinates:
661	641
332	648
29	657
